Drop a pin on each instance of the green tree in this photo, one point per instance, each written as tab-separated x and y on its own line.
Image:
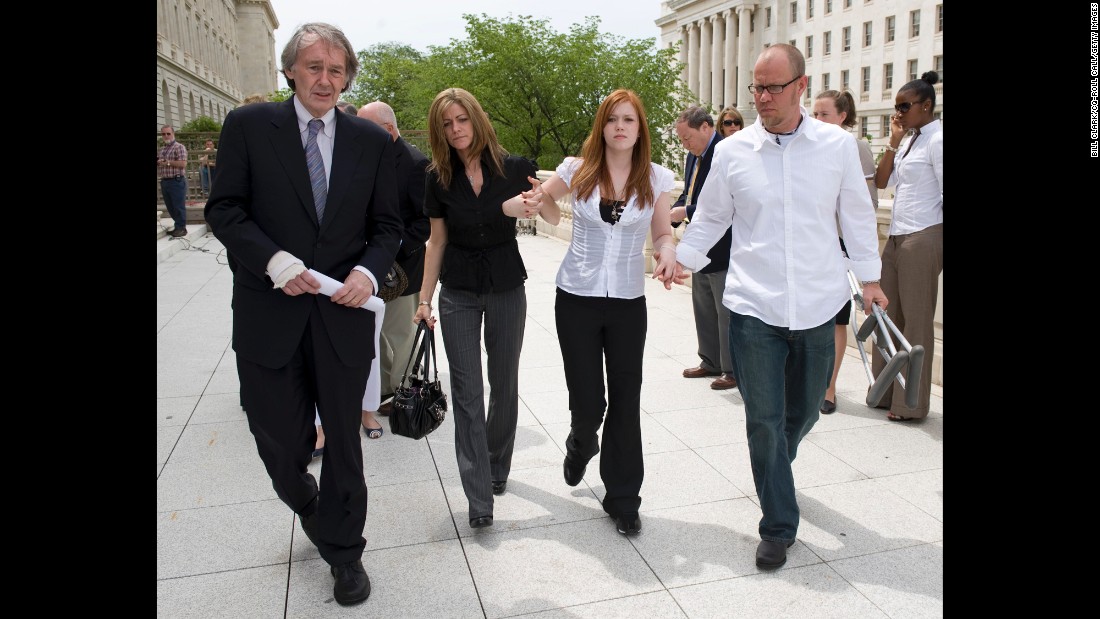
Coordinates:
540	87
386	73
280	95
201	123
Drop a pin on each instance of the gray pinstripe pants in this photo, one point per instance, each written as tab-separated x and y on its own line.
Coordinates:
483	444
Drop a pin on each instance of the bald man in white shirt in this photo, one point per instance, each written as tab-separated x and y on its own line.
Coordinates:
782	182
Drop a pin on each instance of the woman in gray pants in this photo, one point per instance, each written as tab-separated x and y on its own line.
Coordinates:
473	195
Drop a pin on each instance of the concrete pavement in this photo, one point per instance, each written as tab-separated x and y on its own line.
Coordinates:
870	492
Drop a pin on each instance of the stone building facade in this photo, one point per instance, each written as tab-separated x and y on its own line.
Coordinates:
210	55
869	47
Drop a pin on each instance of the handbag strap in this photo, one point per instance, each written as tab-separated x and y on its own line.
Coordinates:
430	340
419	343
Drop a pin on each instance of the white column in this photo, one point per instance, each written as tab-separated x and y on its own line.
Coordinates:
717	48
693	58
684	44
730	95
744	14
705	43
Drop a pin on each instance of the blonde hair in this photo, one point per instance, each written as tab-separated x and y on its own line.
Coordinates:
484	137
254	98
593	171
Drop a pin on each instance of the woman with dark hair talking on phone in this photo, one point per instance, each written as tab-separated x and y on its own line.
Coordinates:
913	257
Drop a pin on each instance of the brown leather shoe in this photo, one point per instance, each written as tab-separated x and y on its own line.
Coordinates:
699	372
725	381
386	409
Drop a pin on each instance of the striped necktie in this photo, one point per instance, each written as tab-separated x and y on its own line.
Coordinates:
316	169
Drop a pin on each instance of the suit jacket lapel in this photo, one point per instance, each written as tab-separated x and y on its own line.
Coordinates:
346	151
286	142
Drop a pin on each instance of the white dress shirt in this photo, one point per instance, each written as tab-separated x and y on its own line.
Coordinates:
325	136
918	177
605	260
786	267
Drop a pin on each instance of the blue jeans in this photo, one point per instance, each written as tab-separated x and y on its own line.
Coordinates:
782	375
204	180
174	191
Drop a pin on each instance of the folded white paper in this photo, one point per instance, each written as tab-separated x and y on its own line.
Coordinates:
372	397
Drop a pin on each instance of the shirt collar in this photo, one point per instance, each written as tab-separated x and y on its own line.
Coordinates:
760	135
304	117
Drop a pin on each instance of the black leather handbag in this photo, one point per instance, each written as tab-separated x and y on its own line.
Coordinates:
419	404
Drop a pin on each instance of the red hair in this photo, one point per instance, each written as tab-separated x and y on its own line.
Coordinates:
593	171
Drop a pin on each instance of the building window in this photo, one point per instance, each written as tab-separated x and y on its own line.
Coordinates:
794	12
828	43
937	66
914	23
939	18
890	29
792	43
847	4
768	17
809	9
809	85
888	76
828	6
847	36
824	81
912	70
861	125
866	34
884	130
844	80
866	79
810	46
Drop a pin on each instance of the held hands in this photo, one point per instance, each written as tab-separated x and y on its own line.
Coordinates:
356	290
531	201
668	271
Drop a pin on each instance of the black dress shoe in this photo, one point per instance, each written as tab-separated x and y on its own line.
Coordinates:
481	521
573	473
352	584
629	524
828	408
499	486
770	555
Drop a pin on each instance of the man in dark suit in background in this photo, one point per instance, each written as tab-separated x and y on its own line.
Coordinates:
398	329
695	128
303	186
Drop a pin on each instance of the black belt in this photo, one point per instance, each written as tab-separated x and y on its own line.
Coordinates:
171	178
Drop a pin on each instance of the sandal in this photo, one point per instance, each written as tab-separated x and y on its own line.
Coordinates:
373	432
893	417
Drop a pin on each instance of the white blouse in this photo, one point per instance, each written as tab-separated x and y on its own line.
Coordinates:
918	180
606	260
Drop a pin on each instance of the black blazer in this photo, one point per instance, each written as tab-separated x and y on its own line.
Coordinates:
263	203
411	164
719	254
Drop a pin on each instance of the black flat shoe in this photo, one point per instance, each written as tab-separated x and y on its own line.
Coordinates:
828	408
481	521
770	555
629	524
499	486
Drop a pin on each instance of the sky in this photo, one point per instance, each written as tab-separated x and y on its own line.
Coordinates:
436	22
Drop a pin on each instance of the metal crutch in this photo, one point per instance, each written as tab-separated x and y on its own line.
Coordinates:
909	359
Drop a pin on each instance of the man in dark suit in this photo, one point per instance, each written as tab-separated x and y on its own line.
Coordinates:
294	195
398	329
695	128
